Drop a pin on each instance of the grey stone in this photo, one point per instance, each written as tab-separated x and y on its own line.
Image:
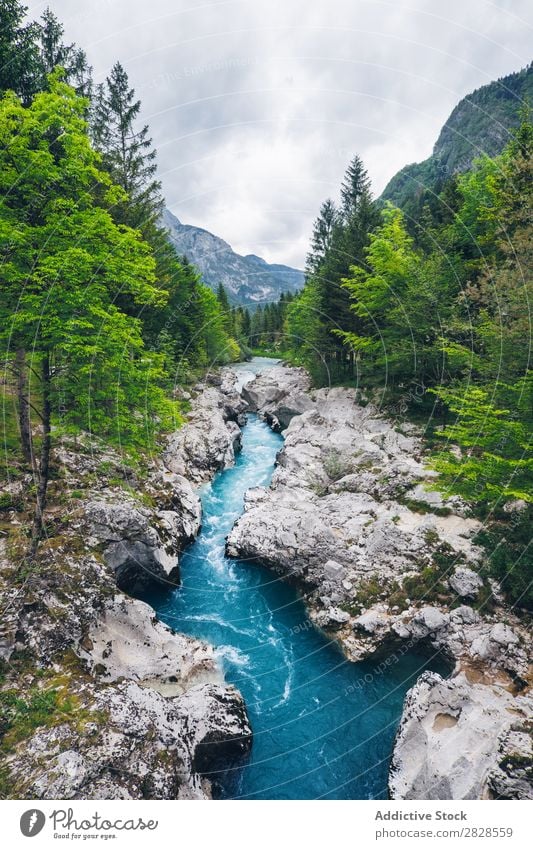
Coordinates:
465	582
450	741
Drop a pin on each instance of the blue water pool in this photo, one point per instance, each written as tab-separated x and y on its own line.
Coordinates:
323	727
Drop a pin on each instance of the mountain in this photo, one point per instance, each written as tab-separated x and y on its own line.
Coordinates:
480	123
247	279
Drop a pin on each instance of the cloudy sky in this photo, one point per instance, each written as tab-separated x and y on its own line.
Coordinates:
256	106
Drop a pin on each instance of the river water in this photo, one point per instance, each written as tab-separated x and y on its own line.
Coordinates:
323	727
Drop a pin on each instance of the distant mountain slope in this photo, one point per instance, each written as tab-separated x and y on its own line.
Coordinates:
247	279
480	123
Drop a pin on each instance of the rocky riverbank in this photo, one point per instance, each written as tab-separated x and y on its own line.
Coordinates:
385	564
99	700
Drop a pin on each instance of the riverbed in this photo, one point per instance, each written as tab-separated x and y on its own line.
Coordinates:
323	727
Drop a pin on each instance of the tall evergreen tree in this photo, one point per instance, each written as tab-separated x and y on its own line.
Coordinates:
19	54
355	187
338	242
55	53
127	149
64	261
222	297
321	237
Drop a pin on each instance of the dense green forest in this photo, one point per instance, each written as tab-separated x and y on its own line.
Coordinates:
434	323
100	318
423	306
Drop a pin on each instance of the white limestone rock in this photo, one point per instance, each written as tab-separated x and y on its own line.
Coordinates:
279	395
127	641
450	740
133	548
139	745
465	582
212	436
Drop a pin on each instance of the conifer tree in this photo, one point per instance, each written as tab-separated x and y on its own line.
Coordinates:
64	262
355	187
55	53
19	54
321	237
127	150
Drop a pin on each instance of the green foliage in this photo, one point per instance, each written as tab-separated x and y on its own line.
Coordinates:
402	303
438	322
127	151
54	53
65	261
322	309
507	542
18	50
495	459
31	51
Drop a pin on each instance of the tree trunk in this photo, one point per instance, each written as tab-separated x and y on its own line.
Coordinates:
44	461
23	405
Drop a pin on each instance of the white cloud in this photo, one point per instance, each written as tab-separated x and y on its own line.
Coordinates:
256	106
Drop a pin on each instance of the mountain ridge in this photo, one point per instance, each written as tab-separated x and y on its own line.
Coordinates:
480	123
248	280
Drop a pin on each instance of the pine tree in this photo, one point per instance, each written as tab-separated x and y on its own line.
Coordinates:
256	332
355	187
64	261
344	236
246	325
223	301
19	54
321	236
55	53
127	150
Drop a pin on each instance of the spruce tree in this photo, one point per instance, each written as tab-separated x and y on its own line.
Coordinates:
127	150
355	186
55	53
19	54
339	242
321	236
64	262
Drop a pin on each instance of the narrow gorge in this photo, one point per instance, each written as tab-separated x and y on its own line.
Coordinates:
278	539
322	726
386	565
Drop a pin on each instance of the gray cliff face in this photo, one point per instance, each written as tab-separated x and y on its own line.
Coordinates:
142	712
349	518
247	279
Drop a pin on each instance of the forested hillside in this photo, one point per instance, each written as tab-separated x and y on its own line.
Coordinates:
480	124
431	319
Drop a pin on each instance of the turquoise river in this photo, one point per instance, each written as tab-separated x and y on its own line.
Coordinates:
323	727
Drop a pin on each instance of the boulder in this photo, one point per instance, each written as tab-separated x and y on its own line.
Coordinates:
127	641
137	744
451	741
211	437
465	582
279	395
332	618
132	546
373	621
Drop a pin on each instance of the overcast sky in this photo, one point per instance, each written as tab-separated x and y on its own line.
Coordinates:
256	106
